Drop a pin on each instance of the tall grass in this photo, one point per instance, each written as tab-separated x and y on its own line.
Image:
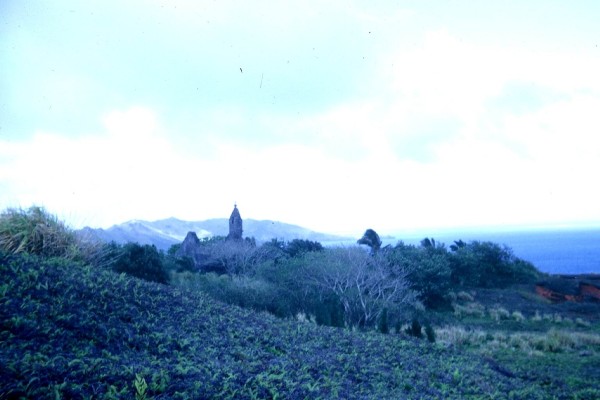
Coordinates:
552	341
35	231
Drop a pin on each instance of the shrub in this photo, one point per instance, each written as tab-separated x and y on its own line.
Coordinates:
464	296
459	336
428	271
383	326
430	333
328	311
415	329
487	264
141	261
518	316
298	247
471	309
499	313
581	322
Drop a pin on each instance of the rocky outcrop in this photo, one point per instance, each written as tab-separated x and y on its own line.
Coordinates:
192	250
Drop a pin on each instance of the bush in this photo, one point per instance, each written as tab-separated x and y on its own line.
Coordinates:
328	312
489	265
243	291
297	247
430	333
415	329
141	261
428	272
383	326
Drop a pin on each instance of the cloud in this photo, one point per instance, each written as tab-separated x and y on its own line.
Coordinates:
392	127
96	178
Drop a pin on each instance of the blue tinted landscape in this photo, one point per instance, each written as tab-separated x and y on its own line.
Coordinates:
555	251
460	316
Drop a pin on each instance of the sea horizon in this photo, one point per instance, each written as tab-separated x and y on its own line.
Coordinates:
563	250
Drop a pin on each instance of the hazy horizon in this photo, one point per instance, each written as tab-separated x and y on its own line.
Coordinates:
400	232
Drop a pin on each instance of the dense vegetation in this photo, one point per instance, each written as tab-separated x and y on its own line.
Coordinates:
352	286
82	324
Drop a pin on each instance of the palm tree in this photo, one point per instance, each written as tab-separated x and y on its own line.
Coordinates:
371	239
458	244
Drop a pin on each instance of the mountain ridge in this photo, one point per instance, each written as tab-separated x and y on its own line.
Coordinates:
166	232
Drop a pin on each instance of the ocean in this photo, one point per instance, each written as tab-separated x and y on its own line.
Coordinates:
559	251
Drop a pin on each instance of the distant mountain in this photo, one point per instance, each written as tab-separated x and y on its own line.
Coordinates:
166	232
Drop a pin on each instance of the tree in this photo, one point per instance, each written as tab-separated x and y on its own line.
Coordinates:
300	246
371	239
458	244
236	257
274	250
364	285
428	270
488	264
428	243
142	261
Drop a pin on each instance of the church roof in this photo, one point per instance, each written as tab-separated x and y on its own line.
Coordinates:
235	212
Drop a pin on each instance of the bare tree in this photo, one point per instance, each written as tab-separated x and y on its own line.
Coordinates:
237	257
364	284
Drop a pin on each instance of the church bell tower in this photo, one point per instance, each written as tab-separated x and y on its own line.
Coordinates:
235	225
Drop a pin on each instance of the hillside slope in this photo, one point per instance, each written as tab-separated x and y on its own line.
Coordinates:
73	331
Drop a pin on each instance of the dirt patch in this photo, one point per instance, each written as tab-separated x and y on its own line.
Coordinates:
524	298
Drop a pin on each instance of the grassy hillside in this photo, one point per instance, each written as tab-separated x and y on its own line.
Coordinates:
73	331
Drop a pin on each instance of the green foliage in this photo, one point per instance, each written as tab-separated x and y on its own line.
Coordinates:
140	387
328	311
243	291
337	286
211	240
458	244
428	270
429	243
297	247
173	249
178	264
430	333
383	325
174	263
35	231
487	265
141	261
415	329
433	271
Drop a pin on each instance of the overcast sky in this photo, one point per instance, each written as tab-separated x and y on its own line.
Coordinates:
337	116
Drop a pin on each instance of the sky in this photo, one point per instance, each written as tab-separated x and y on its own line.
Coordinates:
337	116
